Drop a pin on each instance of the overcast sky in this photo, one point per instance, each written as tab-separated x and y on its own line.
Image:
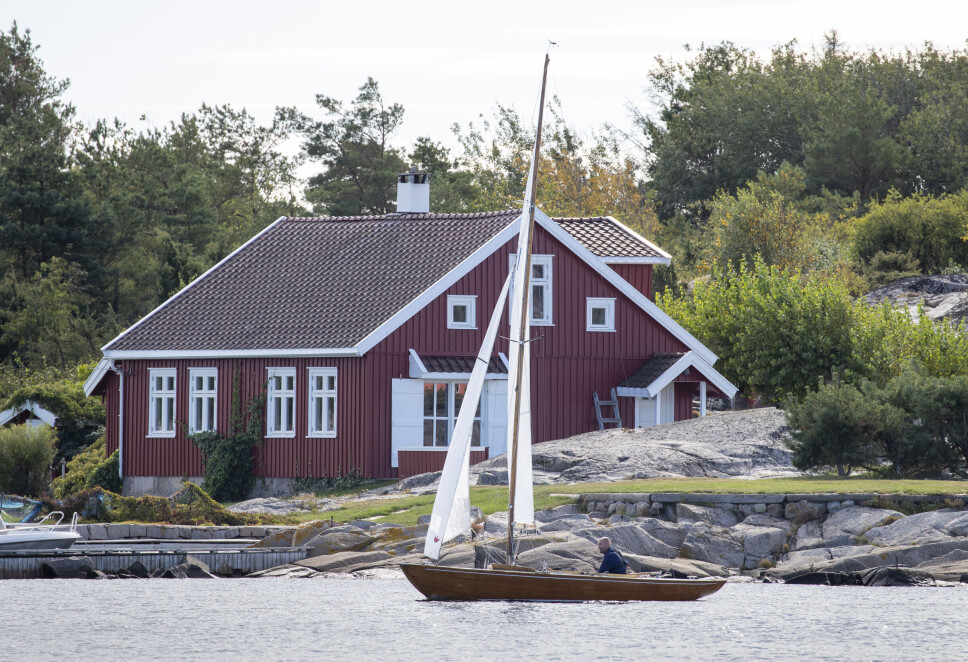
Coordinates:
445	62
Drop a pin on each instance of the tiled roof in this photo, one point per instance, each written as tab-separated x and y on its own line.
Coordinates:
310	283
605	238
461	364
650	371
328	282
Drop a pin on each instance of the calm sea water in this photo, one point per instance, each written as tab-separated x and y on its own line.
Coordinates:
384	619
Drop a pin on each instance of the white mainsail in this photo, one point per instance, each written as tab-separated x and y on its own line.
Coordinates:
520	350
451	515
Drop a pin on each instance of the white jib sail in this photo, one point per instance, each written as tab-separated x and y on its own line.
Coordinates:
452	505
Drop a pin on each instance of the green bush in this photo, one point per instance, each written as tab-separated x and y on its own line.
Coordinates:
26	452
106	474
80	470
929	229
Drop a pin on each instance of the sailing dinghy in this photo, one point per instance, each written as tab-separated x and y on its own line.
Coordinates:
451	513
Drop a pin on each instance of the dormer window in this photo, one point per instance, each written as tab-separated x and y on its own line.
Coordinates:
461	312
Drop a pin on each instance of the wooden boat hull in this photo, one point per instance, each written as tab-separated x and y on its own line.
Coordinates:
444	583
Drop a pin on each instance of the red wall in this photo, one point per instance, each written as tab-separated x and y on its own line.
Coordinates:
413	463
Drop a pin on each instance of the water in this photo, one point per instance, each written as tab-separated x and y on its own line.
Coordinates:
383	619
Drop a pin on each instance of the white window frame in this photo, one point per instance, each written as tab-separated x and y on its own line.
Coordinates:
326	395
591	303
163	398
205	394
544	282
450	417
278	428
470	302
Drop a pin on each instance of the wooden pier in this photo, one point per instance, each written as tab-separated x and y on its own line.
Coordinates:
224	562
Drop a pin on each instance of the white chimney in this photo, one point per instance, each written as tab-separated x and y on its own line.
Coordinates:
413	192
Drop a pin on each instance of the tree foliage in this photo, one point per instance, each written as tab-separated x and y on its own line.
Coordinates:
861	122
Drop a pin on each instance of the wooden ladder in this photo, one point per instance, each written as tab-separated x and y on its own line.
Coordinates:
615	420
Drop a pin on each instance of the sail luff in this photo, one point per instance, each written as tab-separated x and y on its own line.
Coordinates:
451	514
519	337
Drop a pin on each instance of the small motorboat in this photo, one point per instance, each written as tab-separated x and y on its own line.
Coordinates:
48	533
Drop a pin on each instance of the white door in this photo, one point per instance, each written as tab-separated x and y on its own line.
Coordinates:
644	412
495	410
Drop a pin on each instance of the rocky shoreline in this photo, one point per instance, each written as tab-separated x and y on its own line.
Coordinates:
828	540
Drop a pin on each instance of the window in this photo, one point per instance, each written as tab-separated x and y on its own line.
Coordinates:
442	401
541	293
161	402
599	314
322	402
461	312
203	394
281	417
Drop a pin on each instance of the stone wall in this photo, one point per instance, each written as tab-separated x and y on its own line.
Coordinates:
176	532
788	506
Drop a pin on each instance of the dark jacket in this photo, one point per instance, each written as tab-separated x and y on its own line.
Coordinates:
613	563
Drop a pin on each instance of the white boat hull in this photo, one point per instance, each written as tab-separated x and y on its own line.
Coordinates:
12	540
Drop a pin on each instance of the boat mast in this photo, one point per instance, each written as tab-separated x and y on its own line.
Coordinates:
525	298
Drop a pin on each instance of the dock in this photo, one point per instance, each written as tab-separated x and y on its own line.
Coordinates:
223	560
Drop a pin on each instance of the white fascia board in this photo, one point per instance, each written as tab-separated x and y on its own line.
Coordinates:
625	392
625	287
44	415
97	375
438	288
713	375
636	260
7	415
673	371
230	353
692	360
639	237
191	284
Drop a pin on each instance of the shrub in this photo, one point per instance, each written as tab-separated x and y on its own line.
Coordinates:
106	474
26	452
80	470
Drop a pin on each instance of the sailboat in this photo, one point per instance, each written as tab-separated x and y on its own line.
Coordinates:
451	513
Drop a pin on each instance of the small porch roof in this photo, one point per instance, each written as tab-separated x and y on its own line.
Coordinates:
456	368
662	369
35	409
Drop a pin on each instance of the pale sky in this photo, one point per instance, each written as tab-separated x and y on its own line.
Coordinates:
444	61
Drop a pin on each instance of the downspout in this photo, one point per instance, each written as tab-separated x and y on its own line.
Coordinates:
120	373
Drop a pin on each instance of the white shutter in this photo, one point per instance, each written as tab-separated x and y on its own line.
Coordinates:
496	416
406	411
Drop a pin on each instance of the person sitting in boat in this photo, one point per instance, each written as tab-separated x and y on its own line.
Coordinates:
613	562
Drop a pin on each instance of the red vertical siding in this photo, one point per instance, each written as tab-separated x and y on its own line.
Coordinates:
685	392
638	275
413	463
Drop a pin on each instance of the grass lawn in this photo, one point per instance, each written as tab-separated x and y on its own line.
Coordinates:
406	509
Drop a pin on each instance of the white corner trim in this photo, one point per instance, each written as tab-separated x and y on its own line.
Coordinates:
97	375
628	230
191	284
338	352
438	288
624	287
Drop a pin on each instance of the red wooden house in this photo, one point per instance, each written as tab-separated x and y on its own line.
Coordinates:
361	332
